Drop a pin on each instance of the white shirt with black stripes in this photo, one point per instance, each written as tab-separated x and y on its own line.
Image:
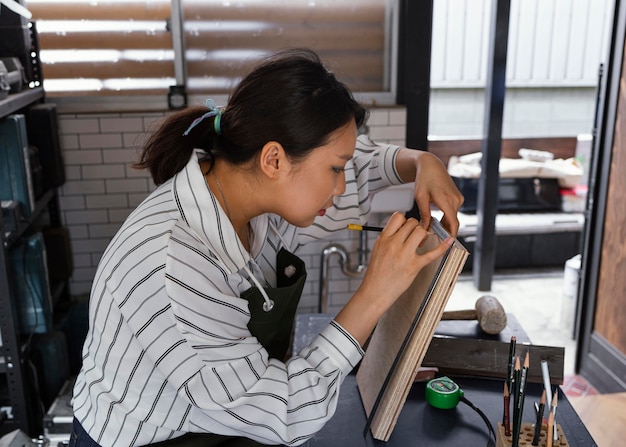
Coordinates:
168	350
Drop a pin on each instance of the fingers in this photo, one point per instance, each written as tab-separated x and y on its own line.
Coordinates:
450	219
424	208
438	251
451	223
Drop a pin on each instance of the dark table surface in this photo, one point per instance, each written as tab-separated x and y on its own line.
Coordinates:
420	424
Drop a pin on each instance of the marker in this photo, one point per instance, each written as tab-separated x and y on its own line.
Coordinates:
539	419
359	227
511	364
522	393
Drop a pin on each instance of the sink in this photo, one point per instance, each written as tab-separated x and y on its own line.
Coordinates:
394	198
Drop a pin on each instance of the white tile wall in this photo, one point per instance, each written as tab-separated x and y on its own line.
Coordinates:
102	188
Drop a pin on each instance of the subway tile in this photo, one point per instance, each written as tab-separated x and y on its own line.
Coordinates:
77	232
83	274
69	141
91	141
397	117
106	201
85	217
73	173
88	246
387	132
78	125
82	157
134	140
103	230
108	171
119	215
71	202
378	117
126	156
82	187
126	185
123	124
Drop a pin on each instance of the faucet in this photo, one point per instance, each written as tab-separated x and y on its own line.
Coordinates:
344	262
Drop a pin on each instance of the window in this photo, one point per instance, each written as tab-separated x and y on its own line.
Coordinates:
125	47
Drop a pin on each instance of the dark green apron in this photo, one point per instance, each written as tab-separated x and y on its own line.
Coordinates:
273	330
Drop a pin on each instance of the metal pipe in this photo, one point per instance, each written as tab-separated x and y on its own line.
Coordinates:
344	262
177	25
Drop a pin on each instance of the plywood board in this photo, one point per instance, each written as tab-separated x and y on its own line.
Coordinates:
401	338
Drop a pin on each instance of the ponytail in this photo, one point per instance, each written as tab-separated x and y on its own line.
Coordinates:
167	151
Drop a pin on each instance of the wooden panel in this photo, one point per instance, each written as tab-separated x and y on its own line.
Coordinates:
104	70
157	39
399	342
349	36
101	10
604	416
363	39
489	358
299	11
611	295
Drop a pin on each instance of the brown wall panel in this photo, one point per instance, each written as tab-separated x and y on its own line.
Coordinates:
103	70
159	39
102	10
611	296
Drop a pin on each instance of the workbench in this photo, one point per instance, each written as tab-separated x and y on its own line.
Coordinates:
420	424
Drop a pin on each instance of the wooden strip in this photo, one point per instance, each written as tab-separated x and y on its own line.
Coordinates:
113	70
159	39
327	11
101	10
489	358
365	40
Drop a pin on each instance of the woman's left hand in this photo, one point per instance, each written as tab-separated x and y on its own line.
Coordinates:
433	185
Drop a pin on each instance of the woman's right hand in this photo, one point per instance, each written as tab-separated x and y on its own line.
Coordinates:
394	264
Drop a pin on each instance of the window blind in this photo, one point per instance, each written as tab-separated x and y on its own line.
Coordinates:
124	47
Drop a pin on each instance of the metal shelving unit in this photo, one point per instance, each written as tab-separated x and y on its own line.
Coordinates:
13	367
20	405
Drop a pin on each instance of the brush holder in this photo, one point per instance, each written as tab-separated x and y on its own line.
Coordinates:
526	437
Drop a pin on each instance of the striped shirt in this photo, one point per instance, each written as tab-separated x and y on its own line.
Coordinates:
168	349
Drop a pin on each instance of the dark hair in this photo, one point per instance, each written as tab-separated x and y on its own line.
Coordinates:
290	98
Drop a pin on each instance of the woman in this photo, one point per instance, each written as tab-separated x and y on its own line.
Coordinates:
193	301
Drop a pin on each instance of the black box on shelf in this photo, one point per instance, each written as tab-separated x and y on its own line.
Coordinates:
59	253
15	173
514	194
16	38
43	132
10	215
28	274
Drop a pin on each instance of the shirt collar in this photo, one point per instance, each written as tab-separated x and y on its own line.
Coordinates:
199	207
